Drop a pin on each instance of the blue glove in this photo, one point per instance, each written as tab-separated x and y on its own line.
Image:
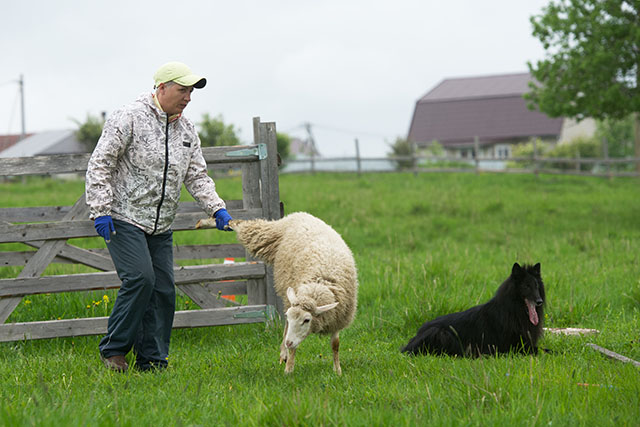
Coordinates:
104	227
222	220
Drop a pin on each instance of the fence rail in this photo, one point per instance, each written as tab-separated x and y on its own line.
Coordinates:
604	166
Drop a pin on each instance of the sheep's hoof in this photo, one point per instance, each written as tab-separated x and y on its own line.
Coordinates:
337	370
288	370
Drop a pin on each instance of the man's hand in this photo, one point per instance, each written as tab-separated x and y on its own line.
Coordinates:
104	227
222	220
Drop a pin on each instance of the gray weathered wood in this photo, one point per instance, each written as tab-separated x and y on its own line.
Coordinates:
98	325
56	213
77	163
234	250
270	196
187	221
46	231
257	291
201	296
109	280
38	263
251	186
251	183
613	354
100	259
44	165
231	287
33	214
75	229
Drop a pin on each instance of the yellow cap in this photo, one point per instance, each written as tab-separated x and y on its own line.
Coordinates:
179	73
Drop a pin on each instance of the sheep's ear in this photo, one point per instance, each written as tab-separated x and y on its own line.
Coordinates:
323	308
291	295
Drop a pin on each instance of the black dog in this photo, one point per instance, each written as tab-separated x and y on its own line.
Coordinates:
510	321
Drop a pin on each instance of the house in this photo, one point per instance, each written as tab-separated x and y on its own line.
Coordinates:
303	148
7	141
43	143
491	109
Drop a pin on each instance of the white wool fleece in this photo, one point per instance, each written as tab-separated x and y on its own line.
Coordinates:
312	258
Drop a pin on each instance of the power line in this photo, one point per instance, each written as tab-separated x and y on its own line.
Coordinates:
13	111
9	82
339	130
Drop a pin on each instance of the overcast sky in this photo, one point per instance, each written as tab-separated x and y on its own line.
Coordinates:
351	68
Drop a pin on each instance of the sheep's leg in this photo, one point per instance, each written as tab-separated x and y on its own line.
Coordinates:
335	346
283	348
288	367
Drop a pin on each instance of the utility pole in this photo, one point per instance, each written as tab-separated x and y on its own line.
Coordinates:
312	142
21	82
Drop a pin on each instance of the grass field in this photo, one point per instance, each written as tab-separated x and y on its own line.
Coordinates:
425	245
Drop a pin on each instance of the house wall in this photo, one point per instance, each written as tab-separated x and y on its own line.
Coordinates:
572	129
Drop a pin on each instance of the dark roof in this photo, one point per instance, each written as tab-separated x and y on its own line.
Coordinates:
489	107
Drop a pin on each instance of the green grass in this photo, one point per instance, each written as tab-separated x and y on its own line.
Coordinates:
425	245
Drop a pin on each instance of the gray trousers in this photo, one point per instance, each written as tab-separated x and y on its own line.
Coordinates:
142	316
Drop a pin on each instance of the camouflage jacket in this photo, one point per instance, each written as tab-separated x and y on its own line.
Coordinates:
136	171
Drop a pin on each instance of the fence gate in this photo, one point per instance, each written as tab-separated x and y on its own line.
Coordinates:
48	229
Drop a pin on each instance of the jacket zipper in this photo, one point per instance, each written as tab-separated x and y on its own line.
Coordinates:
164	176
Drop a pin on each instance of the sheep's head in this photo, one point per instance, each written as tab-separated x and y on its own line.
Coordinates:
299	317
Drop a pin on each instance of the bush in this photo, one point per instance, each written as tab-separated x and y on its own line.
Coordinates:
525	150
582	147
402	147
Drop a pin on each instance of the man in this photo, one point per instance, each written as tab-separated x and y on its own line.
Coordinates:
146	152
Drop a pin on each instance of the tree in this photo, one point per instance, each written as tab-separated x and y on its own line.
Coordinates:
284	145
619	135
88	133
402	148
592	59
214	133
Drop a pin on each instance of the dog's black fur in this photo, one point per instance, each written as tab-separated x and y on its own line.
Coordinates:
509	322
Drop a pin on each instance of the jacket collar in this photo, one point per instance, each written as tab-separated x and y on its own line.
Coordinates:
152	102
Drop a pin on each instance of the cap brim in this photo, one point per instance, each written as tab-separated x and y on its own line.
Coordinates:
192	80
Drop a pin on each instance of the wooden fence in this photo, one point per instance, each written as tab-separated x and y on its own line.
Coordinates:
589	166
48	229
417	163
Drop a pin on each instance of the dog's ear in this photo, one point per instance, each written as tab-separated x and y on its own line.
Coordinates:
536	269
516	270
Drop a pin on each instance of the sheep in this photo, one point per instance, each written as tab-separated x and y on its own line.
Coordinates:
314	274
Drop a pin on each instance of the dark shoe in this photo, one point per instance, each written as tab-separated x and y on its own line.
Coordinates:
150	366
116	363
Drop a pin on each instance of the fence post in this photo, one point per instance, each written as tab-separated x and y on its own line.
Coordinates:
535	156
476	152
358	156
605	152
265	133
578	163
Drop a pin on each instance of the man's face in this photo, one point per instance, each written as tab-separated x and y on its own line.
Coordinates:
174	97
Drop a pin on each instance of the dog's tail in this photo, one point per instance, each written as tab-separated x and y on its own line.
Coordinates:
437	340
421	343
